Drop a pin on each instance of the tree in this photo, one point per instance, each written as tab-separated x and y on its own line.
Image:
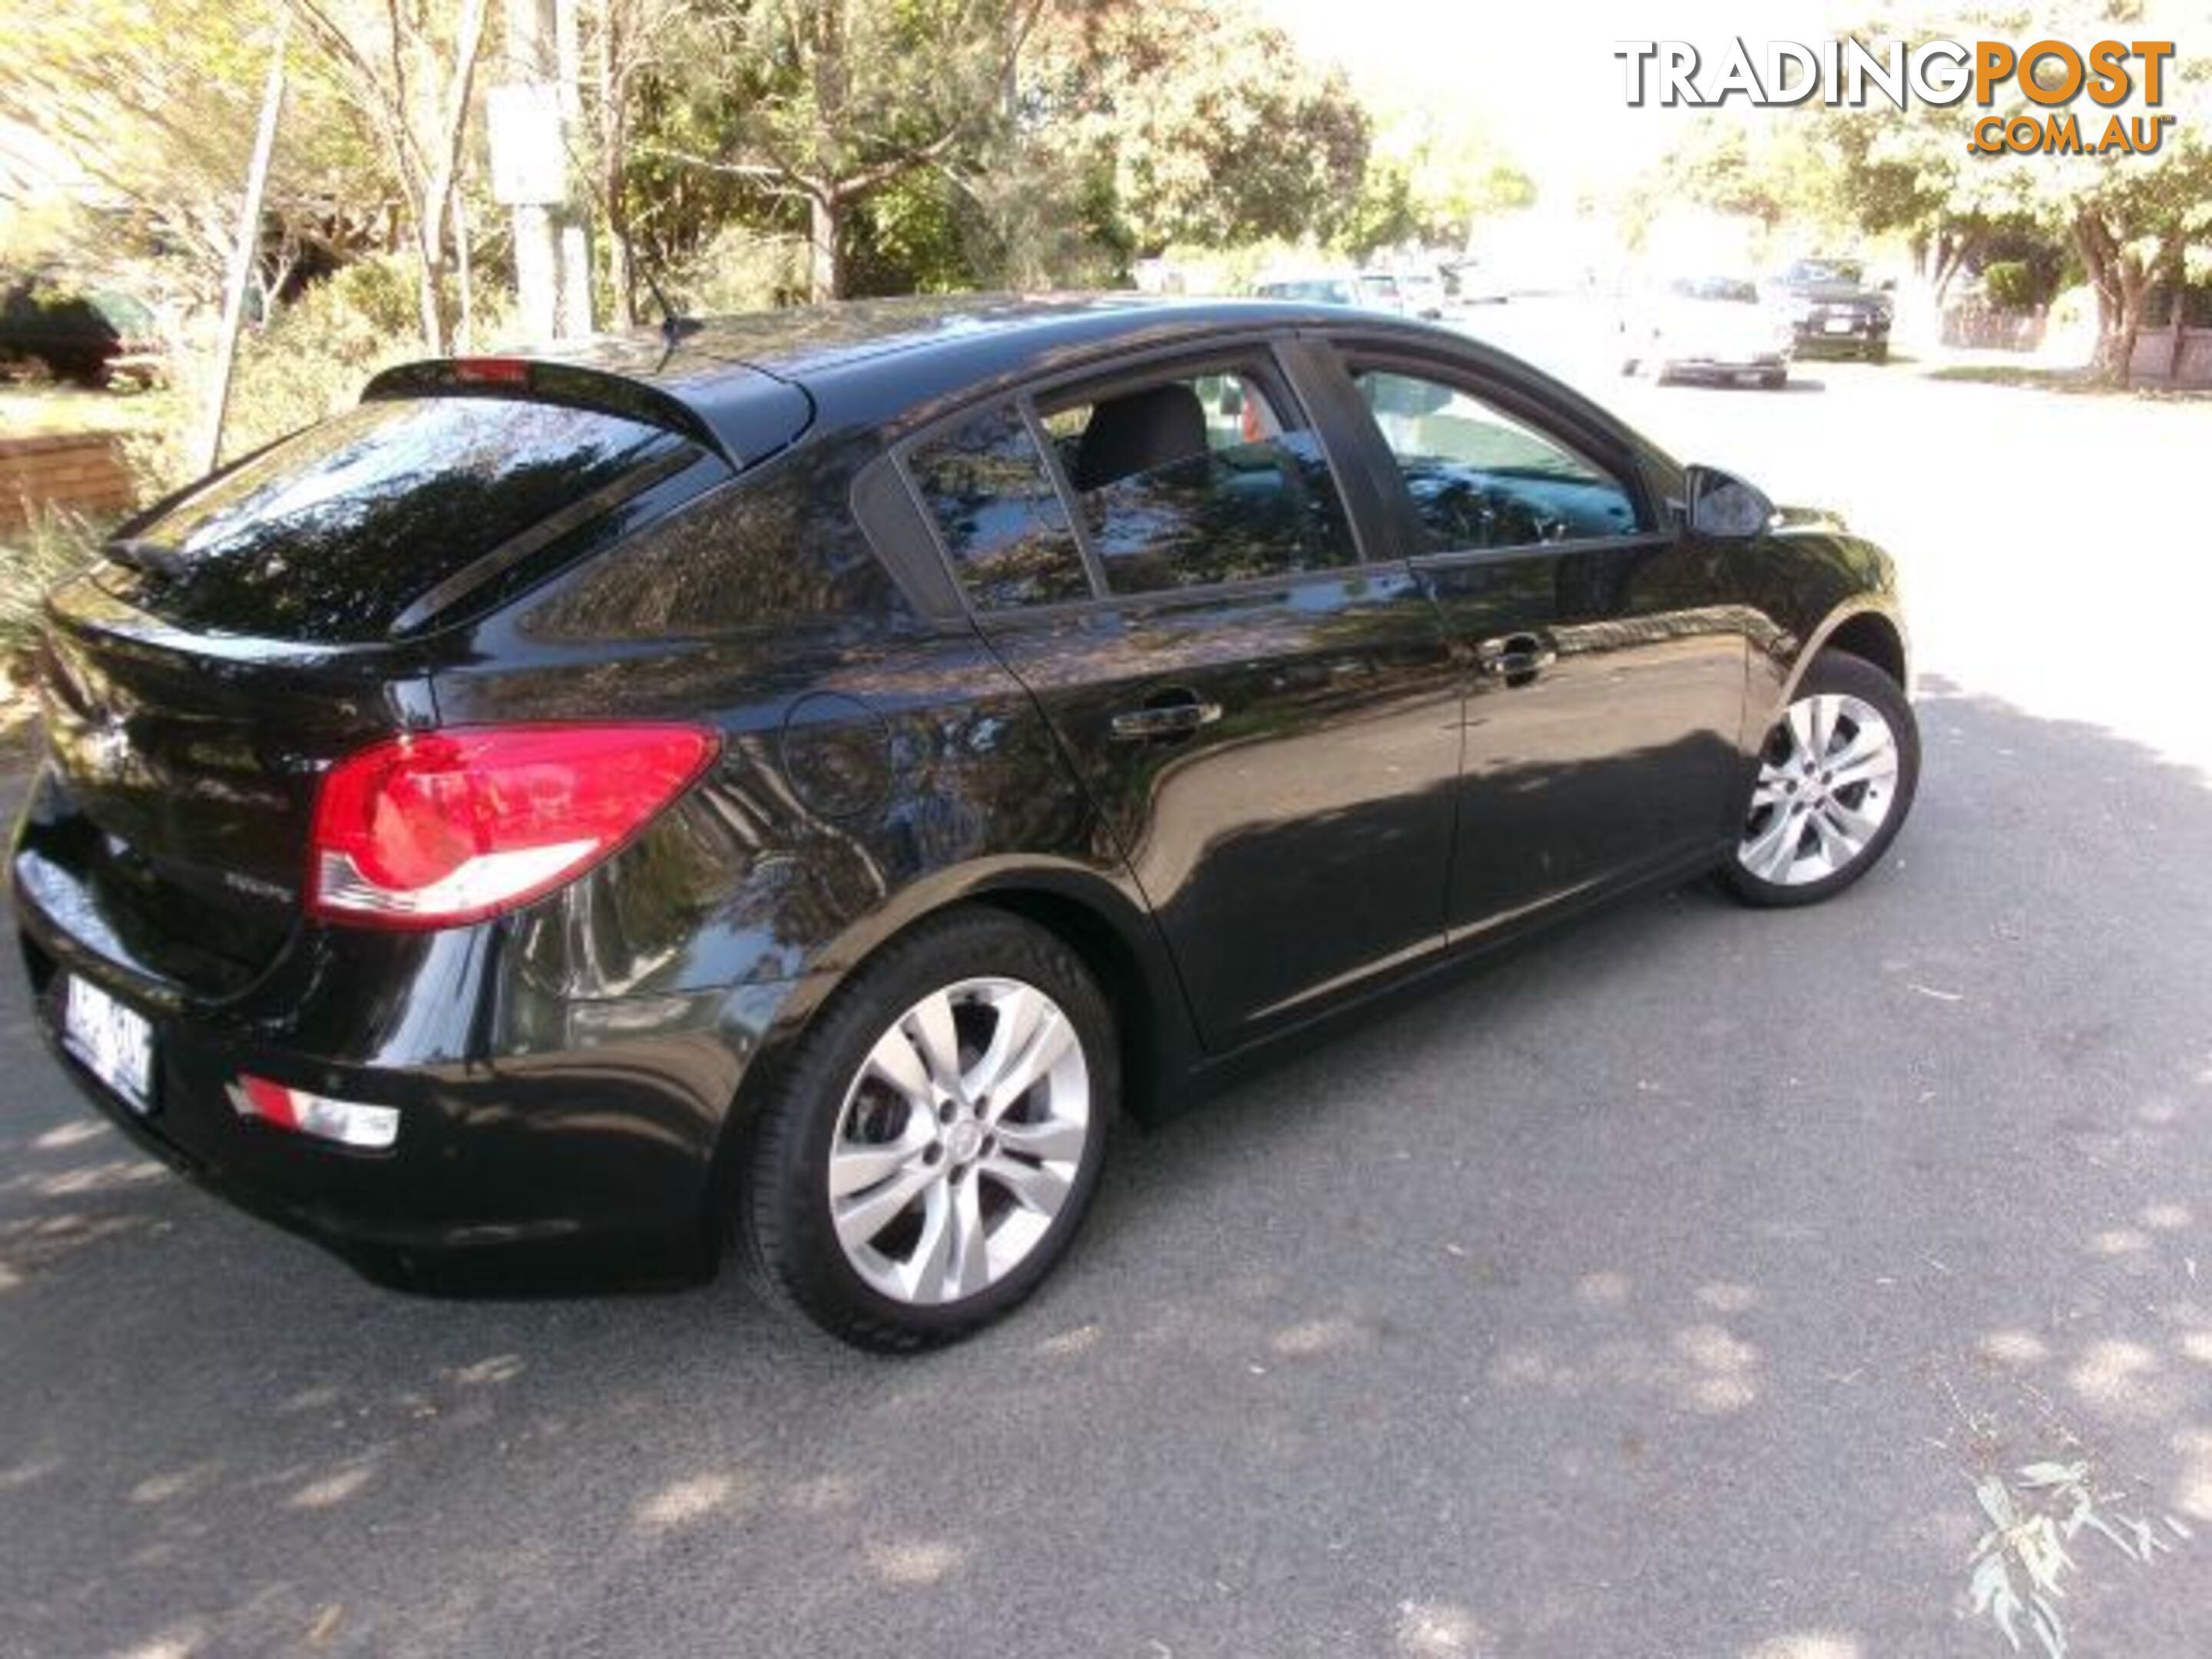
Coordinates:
153	106
827	103
408	69
1432	174
1215	129
2127	216
628	40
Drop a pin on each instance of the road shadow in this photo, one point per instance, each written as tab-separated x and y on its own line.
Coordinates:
1671	1288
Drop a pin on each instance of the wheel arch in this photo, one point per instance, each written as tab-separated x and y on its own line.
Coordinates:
1871	634
1867	627
1109	931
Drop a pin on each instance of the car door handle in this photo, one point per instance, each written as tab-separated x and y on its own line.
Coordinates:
1167	717
1516	659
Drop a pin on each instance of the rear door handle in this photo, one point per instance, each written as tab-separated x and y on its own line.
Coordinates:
1171	715
1516	659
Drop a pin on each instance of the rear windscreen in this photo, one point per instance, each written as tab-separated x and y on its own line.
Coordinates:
332	534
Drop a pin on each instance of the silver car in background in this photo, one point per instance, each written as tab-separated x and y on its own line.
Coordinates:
1707	327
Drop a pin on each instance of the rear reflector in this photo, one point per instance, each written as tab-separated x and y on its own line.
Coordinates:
347	1122
442	828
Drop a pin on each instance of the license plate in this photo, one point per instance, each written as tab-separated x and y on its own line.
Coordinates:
1838	324
115	1043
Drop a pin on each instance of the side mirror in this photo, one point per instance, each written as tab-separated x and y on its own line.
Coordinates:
1723	506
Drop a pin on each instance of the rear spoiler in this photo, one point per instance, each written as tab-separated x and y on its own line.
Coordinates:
549	382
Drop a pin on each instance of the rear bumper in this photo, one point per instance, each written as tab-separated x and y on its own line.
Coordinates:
1860	334
1756	362
589	1157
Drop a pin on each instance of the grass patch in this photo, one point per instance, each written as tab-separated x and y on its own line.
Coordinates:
40	411
2074	382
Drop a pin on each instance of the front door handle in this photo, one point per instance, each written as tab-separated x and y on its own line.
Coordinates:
1516	659
1172	715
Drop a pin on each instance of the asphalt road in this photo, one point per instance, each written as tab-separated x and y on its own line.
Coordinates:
1665	1293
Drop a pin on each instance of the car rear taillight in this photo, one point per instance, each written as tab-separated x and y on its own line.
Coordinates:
439	828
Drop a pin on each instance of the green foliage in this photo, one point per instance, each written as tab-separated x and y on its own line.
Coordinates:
1215	127
2013	285
740	270
310	362
1433	173
154	102
55	544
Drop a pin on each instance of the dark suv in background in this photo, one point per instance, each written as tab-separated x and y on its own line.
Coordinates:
1833	310
806	778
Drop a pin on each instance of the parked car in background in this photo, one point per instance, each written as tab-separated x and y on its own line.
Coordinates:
1368	290
1420	293
1832	310
92	335
801	781
1706	328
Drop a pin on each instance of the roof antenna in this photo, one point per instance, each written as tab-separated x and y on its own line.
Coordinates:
674	326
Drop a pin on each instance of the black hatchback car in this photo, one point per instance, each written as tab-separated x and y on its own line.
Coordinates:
803	780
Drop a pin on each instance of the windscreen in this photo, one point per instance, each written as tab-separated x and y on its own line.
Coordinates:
330	535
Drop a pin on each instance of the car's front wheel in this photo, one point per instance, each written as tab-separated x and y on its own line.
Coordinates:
1836	778
932	1147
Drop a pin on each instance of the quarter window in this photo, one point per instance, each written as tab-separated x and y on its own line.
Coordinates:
1199	479
985	484
1479	478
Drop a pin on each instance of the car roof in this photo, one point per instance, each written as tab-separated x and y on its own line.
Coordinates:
766	381
873	361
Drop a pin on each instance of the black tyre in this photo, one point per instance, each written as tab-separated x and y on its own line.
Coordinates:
930	1149
1775	379
1834	782
1878	353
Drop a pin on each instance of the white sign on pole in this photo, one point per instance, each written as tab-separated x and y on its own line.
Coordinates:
529	163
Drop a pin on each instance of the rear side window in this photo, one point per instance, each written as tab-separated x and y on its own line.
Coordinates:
1200	480
331	535
777	549
985	484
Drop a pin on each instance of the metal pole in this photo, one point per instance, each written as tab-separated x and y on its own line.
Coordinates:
574	319
244	253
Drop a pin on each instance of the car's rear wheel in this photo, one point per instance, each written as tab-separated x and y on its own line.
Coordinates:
931	1149
1836	778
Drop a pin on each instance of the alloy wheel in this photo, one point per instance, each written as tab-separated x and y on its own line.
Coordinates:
959	1141
1827	779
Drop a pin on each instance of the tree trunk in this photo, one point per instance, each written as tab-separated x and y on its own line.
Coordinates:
2101	262
1953	254
825	262
465	331
2177	273
429	265
446	155
614	166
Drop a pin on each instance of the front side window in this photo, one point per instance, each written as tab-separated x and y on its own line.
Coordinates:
1198	479
1479	478
985	484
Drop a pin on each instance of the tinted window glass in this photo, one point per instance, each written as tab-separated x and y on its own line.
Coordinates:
330	535
1480	478
986	485
1196	480
778	549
